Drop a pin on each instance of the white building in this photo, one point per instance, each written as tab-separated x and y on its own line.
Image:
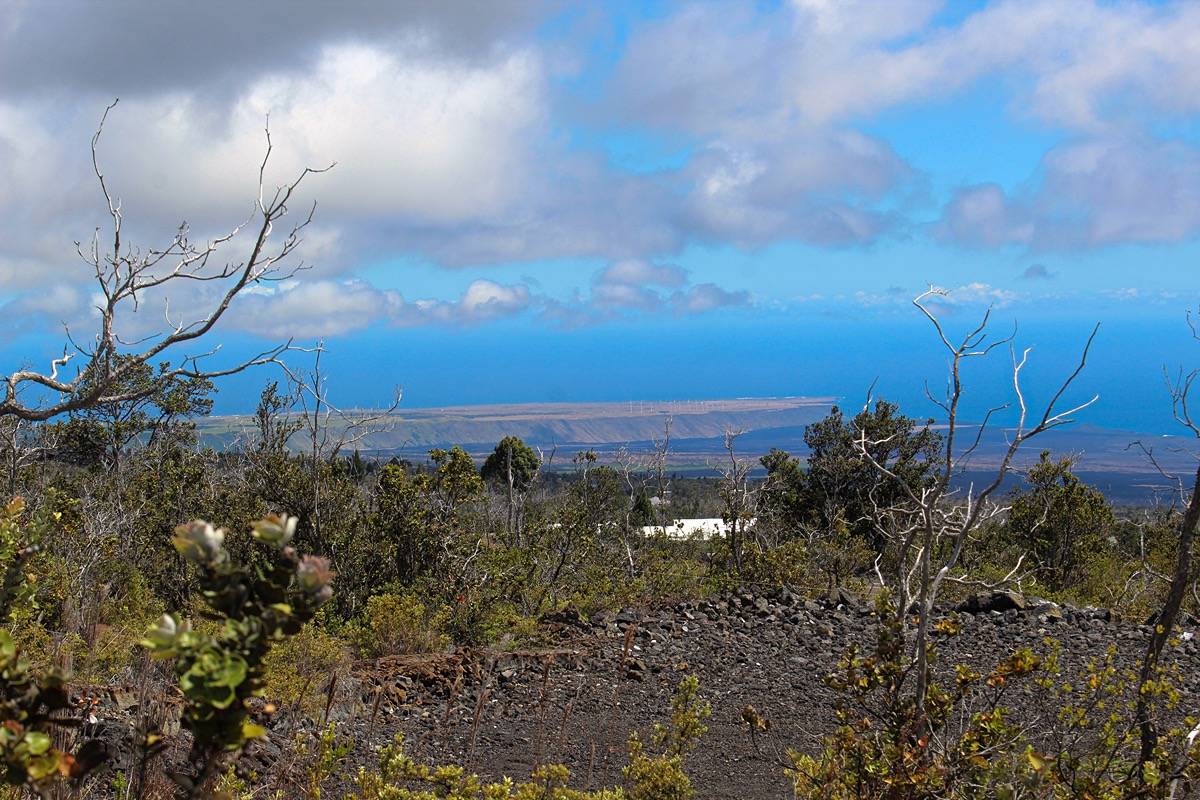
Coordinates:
703	528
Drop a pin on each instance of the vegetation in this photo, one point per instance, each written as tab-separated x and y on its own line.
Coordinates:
425	559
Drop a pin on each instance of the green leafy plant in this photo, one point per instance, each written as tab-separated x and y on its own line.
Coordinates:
661	776
296	667
1060	520
255	607
964	745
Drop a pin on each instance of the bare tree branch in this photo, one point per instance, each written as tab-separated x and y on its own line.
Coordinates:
124	275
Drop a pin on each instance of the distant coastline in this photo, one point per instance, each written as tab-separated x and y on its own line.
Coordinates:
1105	457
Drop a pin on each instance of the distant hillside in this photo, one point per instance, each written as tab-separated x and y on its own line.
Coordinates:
1105	456
565	424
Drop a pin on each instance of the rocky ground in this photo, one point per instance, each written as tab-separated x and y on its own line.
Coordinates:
576	703
503	712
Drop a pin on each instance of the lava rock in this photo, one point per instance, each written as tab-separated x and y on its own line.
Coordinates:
998	601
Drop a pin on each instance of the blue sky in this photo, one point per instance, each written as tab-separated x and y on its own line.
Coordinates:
631	200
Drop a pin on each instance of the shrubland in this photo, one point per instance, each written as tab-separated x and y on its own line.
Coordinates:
429	557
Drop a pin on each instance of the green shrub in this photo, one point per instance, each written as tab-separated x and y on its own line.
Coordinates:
661	776
295	668
30	698
672	572
398	623
398	777
962	744
254	608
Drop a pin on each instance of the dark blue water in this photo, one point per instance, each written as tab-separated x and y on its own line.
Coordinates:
729	356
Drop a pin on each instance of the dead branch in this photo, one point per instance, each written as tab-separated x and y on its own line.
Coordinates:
125	275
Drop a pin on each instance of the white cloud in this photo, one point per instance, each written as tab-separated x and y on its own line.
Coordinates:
770	98
1071	58
429	141
315	309
605	296
978	292
131	47
1091	194
634	272
641	286
707	297
812	186
57	302
421	143
324	308
982	216
1126	294
485	299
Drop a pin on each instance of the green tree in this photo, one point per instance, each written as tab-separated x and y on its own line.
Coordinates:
1060	519
512	467
157	406
782	509
642	513
578	545
840	486
417	530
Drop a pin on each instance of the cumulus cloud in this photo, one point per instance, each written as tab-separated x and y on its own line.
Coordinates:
761	169
982	216
436	144
442	122
323	308
635	285
613	296
315	309
424	140
486	299
1071	59
706	297
225	41
58	303
627	284
630	271
792	188
1091	194
772	98
978	292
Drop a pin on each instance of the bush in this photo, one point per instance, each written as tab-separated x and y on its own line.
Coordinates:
296	667
254	608
963	745
31	699
398	623
661	776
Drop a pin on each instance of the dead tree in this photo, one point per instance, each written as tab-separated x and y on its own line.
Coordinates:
934	522
329	430
1181	576
21	446
739	498
639	473
127	276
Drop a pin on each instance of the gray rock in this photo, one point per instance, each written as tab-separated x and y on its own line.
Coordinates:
998	601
